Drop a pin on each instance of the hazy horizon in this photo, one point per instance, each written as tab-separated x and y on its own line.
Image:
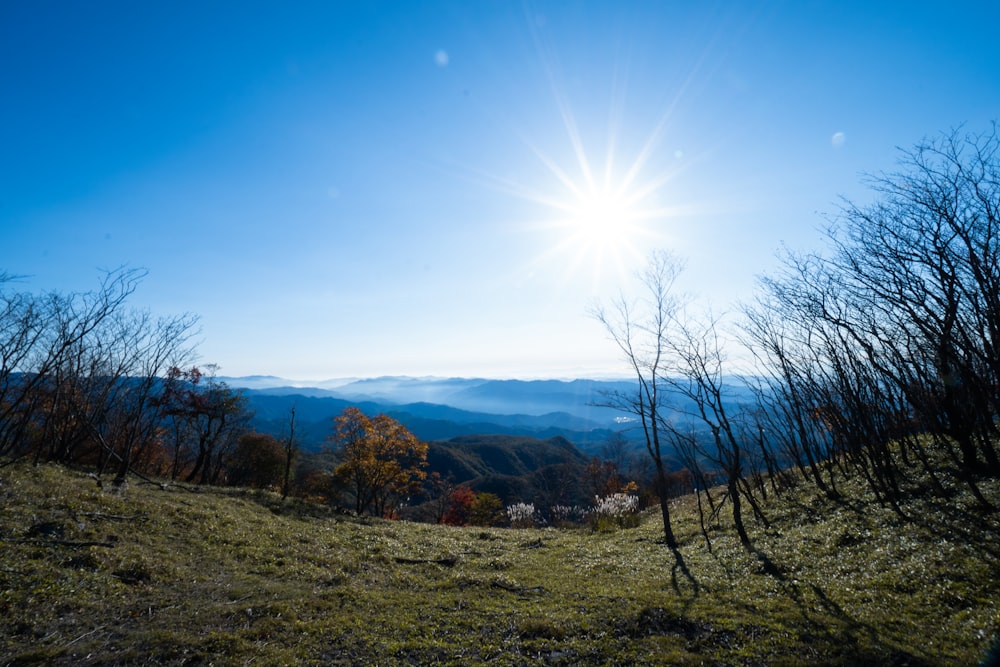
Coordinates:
334	382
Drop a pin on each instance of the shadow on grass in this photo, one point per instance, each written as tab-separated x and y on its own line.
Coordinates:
794	591
950	516
680	566
846	633
964	525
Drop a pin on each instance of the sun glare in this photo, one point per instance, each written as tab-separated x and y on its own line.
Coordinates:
606	213
599	213
601	219
598	225
602	226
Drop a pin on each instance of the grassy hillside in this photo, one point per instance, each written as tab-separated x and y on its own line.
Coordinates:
229	577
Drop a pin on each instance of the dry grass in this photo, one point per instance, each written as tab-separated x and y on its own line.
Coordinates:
229	577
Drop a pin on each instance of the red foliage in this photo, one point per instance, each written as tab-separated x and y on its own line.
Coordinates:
460	502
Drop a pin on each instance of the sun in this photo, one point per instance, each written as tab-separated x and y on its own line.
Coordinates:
601	197
600	219
605	202
601	222
596	225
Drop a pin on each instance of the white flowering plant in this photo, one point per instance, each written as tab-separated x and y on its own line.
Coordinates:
521	515
617	510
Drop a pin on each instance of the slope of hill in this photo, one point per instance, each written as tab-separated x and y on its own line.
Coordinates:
466	458
515	468
229	577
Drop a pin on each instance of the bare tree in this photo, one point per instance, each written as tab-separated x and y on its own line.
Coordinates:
893	331
208	416
640	330
25	326
925	262
291	447
786	364
147	349
47	345
694	369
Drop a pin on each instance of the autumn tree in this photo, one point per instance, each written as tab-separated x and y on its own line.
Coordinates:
486	510
257	461
627	459
380	460
458	511
602	477
437	489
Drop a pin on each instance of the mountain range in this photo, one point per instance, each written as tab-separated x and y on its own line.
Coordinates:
443	408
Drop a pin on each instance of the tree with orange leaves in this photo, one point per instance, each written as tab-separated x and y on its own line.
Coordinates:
380	460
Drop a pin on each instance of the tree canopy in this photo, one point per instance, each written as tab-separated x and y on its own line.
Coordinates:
380	460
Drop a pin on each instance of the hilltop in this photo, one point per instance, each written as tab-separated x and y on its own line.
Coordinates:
168	576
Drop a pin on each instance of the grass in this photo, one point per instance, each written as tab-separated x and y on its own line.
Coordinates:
233	577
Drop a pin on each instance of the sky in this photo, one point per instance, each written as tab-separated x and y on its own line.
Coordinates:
357	189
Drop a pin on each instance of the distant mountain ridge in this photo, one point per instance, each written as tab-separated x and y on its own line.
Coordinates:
535	397
436	408
443	408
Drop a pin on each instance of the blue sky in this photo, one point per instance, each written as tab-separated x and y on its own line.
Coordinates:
359	189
